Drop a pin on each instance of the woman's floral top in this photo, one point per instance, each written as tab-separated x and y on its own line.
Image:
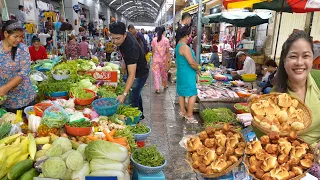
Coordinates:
72	50
23	94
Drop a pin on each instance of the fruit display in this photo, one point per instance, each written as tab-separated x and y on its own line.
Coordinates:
278	158
215	152
280	113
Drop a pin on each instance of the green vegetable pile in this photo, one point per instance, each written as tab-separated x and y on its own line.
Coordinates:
148	156
242	107
53	86
139	129
120	89
72	66
61	72
5	129
214	116
128	111
80	124
127	134
3	98
105	92
80	93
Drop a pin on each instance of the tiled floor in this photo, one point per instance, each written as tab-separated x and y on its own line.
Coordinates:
167	130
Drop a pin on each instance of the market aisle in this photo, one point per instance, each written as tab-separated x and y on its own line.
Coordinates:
168	130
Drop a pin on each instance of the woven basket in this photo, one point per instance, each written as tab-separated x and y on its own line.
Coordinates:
215	175
307	119
246	163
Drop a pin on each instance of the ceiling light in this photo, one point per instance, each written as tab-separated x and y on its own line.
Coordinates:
112	2
124	4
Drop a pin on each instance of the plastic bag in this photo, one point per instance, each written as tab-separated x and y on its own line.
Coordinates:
2	112
16	129
55	116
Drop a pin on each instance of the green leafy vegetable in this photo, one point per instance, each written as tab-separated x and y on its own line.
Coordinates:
80	124
54	151
129	135
100	149
213	116
128	111
148	156
5	129
107	92
106	164
242	107
81	93
82	173
139	129
2	98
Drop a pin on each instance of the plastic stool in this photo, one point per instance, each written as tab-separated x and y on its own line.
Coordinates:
140	143
139	176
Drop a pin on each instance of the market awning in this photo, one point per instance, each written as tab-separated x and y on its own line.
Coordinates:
238	18
296	6
193	7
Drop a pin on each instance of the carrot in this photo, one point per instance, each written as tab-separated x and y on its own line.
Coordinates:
120	139
121	143
112	132
109	138
92	137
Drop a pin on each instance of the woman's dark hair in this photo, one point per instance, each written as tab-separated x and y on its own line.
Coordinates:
10	27
271	63
183	31
160	33
35	39
282	76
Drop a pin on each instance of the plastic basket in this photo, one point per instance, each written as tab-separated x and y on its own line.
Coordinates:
78	131
208	79
84	102
135	120
28	110
40	108
142	137
249	77
59	94
102	107
146	169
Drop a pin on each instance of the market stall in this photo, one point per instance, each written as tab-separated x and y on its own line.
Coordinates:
77	129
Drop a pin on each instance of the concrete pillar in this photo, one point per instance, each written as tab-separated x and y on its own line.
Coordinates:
71	15
13	6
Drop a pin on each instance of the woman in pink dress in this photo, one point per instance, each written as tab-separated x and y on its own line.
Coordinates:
160	59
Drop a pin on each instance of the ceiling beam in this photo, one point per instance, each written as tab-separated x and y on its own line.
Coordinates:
133	12
142	13
124	4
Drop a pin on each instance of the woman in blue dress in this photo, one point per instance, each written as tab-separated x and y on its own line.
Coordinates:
187	69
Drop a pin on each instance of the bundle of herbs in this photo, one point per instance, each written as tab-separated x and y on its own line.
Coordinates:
213	117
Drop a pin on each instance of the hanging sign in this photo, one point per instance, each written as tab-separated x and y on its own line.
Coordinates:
110	77
29	6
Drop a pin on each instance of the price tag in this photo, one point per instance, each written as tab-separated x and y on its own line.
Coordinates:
107	76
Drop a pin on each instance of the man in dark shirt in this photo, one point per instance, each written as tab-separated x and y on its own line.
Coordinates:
135	61
139	35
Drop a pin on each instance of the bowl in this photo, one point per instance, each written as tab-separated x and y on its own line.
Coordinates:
78	131
40	108
240	111
60	77
146	169
142	137
249	77
29	110
84	102
133	121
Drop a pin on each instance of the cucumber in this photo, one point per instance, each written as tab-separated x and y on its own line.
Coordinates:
20	168
29	174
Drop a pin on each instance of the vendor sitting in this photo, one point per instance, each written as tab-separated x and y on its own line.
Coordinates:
214	59
272	69
37	51
249	66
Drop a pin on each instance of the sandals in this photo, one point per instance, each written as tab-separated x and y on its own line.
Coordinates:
182	115
191	120
157	92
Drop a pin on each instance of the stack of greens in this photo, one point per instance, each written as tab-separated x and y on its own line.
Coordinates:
139	129
127	134
47	87
219	115
148	156
82	124
128	111
81	93
107	92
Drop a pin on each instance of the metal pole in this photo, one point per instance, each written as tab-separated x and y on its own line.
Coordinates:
174	17
199	31
275	51
64	11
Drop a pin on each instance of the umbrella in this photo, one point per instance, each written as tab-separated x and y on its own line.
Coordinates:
238	18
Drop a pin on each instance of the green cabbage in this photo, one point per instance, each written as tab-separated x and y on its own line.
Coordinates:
54	151
66	154
81	149
100	149
82	173
67	175
75	161
64	142
106	164
54	167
